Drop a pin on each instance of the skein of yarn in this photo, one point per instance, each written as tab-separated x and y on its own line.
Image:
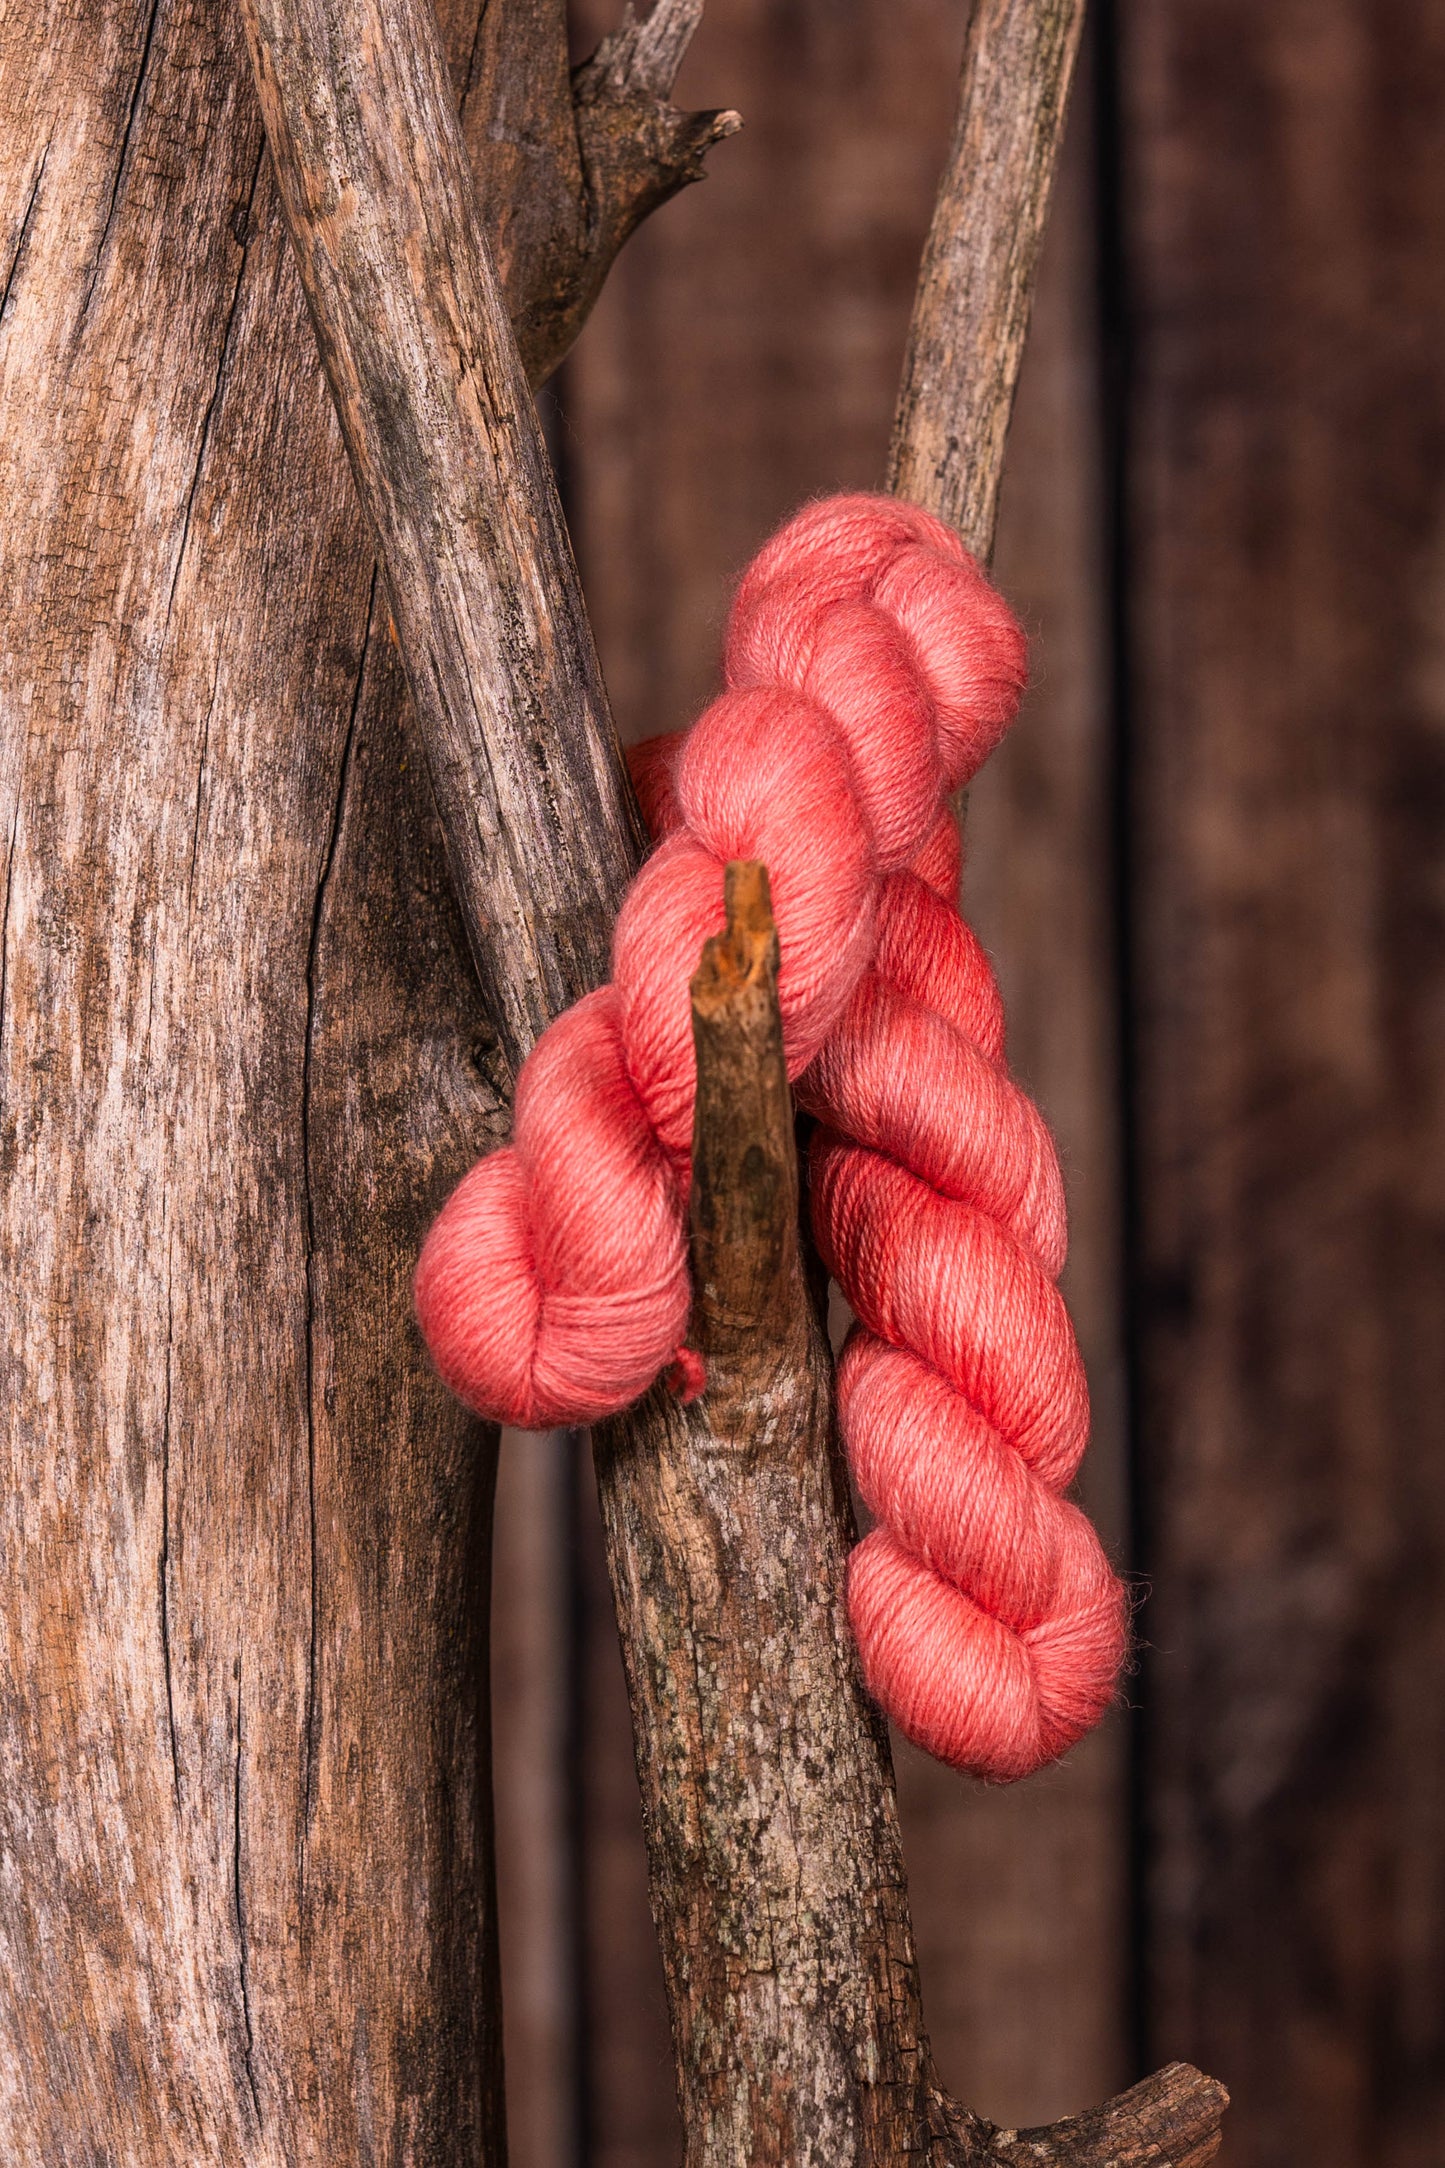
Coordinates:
869	670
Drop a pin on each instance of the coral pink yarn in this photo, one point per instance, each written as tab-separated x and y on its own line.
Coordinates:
869	669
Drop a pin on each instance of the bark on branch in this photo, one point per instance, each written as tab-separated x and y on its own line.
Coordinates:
976	285
777	1871
777	1876
573	161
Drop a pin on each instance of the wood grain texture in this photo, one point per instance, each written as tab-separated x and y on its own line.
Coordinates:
568	163
1173	2116
971	317
246	1910
450	464
1287	451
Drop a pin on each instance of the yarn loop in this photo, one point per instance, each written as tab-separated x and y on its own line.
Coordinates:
869	669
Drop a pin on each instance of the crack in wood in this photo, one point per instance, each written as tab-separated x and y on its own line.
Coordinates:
164	1564
23	234
200	764
122	159
311	1711
5	910
238	1898
211	405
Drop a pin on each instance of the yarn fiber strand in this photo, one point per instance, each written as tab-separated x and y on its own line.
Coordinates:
990	1624
869	669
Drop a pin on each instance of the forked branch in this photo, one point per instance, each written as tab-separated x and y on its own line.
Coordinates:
777	1877
569	163
745	1271
1170	2120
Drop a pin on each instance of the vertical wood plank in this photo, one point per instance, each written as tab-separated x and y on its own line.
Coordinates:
1286	264
534	1690
1021	1896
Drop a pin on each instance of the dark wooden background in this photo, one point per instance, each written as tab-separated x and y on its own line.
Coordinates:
1211	866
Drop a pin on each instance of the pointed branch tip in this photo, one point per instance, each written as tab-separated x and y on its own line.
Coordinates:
746	951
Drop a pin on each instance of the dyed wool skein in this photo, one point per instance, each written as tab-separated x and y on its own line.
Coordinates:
869	669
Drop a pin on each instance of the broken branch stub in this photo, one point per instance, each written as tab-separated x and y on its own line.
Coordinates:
744	1202
570	161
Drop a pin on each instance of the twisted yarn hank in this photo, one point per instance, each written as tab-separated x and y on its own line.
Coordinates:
869	670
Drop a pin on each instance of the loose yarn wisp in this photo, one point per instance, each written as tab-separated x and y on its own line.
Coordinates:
869	669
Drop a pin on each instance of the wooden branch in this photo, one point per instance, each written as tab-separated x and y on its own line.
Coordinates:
542	831
776	1868
777	1877
574	161
637	147
960	373
976	285
1173	2116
